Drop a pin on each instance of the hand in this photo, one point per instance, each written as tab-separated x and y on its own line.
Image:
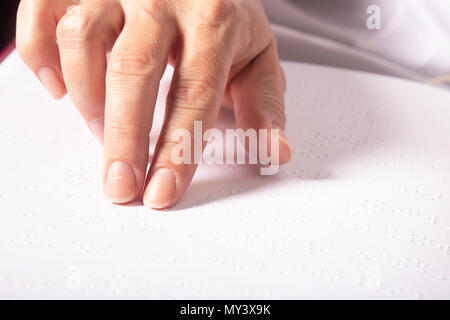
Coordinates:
223	53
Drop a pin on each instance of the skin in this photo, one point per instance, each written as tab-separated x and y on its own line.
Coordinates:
110	55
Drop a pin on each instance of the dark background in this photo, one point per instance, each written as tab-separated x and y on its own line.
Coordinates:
8	10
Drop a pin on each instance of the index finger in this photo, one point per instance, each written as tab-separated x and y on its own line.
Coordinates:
136	65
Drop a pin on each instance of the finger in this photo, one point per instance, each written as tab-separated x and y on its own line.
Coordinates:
85	34
258	101
36	40
197	88
137	63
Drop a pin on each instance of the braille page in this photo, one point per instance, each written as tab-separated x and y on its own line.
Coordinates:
362	211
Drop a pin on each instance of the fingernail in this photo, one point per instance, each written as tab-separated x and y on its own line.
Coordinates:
120	183
97	127
160	190
52	82
285	146
286	154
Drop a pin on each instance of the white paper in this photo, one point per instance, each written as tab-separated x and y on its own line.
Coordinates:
363	210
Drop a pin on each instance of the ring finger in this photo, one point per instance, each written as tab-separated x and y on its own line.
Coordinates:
85	34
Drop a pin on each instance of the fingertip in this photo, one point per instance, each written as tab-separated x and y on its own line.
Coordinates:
160	191
97	127
52	82
284	146
285	149
120	187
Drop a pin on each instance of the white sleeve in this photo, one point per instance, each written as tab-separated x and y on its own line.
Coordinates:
413	42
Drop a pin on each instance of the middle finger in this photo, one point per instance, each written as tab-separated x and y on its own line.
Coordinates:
137	63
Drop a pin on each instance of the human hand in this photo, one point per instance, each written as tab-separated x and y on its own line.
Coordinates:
223	53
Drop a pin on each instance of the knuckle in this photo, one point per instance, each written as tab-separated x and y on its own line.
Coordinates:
31	43
36	51
27	48
217	11
193	94
274	105
216	22
125	131
142	61
151	6
131	64
180	119
74	27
